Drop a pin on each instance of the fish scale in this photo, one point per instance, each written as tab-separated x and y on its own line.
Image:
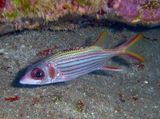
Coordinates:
75	63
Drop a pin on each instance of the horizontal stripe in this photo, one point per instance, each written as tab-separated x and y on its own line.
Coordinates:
76	61
68	54
81	67
71	67
83	71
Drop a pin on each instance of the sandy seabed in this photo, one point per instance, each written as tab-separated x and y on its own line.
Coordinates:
130	94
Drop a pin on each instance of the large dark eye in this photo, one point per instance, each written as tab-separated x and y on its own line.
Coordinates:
37	74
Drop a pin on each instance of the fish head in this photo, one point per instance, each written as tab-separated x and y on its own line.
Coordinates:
40	74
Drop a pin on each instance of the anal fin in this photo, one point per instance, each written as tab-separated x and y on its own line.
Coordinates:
111	68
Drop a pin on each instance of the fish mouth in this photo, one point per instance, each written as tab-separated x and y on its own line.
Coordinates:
28	81
25	82
21	82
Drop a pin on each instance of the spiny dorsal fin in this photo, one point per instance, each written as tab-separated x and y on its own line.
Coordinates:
101	40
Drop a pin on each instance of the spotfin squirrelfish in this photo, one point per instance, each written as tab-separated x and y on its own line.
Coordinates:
69	65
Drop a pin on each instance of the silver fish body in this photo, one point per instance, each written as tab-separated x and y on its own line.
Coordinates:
69	65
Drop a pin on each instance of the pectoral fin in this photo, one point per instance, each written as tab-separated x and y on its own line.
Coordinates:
111	68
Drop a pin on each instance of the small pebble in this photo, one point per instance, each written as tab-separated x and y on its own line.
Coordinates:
146	82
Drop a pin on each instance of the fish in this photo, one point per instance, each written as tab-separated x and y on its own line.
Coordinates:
70	65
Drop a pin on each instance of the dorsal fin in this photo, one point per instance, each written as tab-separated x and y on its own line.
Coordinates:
101	40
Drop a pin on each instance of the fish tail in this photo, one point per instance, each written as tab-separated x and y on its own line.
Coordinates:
124	48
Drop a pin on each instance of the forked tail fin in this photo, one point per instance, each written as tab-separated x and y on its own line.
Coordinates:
124	48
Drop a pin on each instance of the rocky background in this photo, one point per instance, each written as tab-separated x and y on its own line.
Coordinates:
33	29
33	14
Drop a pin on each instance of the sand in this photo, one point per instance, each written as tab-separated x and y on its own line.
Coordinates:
130	94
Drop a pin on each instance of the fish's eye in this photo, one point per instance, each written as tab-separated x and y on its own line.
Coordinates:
37	74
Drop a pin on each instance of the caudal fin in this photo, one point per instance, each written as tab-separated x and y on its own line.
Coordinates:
124	48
